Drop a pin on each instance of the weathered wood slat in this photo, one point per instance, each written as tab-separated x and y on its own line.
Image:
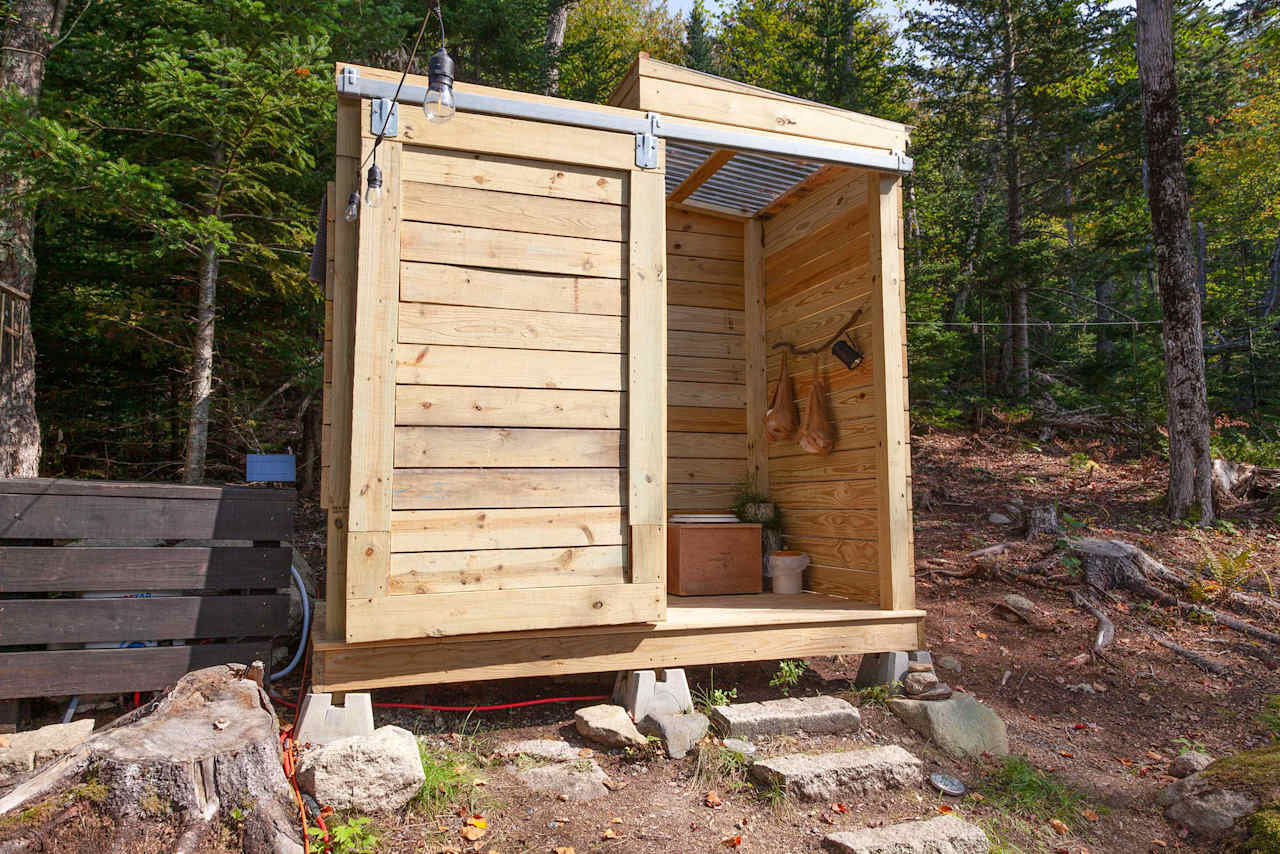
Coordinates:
709	344
706	446
34	569
715	395
728	248
706	471
128	489
235	515
35	621
704	294
59	673
702	496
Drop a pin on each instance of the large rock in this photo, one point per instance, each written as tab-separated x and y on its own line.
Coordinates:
1188	763
960	726
1205	806
608	725
848	773
366	773
773	717
577	781
679	733
27	750
942	835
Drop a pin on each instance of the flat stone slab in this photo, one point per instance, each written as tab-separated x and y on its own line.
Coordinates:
847	773
545	749
942	835
583	781
774	717
961	726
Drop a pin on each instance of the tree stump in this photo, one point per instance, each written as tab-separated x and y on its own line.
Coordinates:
209	746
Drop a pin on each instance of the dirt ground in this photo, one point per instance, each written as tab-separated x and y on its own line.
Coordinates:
1101	731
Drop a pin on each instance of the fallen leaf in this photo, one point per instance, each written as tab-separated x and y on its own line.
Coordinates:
564	849
1059	827
585	752
1091	815
459	770
617	819
713	800
1151	754
221	723
980	634
1159	843
478	821
479	782
978	796
945	809
609	833
731	841
472	833
442	827
839	808
1066	754
4	741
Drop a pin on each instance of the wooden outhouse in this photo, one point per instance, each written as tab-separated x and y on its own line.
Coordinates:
563	322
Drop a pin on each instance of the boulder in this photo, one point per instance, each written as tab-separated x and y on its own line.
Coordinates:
583	780
27	750
950	662
365	773
1188	763
679	733
960	726
945	834
608	725
1205	806
918	683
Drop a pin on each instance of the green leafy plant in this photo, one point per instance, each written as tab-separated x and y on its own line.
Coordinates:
1269	717
788	675
1187	745
705	699
719	768
745	506
451	772
876	695
352	836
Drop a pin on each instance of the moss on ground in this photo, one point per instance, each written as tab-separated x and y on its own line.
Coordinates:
1264	832
1256	771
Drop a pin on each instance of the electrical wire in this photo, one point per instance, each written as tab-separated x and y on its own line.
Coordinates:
413	52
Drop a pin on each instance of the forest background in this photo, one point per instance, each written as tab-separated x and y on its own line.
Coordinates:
175	139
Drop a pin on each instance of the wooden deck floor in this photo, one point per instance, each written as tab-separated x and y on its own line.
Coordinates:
697	630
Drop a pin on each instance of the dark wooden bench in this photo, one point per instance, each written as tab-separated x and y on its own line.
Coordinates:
220	603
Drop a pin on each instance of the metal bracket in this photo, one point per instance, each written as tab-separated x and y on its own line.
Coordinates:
349	81
647	143
384	117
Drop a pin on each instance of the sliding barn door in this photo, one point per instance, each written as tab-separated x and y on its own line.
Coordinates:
508	455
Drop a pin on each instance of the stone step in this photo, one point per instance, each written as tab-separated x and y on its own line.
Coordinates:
945	834
847	773
774	717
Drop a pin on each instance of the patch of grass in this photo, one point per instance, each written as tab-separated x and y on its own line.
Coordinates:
152	804
1264	832
775	795
1017	787
875	695
451	775
1269	717
788	675
719	768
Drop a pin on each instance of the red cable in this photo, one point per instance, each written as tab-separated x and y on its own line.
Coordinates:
492	708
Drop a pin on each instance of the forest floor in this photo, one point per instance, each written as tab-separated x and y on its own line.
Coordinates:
1094	737
1097	737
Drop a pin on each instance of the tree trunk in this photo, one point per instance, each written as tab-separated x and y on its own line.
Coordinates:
202	367
1020	367
1104	292
1190	482
557	20
1271	299
30	27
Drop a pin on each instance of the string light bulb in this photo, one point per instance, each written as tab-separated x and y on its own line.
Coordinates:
439	101
373	186
353	207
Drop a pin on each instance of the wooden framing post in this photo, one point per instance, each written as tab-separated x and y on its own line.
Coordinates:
647	378
373	398
893	448
757	354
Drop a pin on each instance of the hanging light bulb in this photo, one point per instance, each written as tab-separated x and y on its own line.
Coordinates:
373	183
439	102
353	207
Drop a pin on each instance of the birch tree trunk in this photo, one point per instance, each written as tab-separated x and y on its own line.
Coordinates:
1190	485
202	367
29	29
557	20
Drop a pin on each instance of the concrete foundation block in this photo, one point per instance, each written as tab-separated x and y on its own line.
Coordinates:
882	668
321	722
653	693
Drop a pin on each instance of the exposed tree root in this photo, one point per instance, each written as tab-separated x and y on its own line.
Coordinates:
1106	631
1205	664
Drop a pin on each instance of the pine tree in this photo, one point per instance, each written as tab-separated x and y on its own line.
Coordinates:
697	40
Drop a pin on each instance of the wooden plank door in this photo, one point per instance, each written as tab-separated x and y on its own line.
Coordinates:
508	454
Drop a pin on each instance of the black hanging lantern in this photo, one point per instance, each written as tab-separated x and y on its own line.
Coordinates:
846	352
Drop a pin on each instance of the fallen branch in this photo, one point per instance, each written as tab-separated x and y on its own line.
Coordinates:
1195	658
1106	632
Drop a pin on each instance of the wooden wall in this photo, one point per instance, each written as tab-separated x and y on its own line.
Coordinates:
706	367
818	272
510	400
